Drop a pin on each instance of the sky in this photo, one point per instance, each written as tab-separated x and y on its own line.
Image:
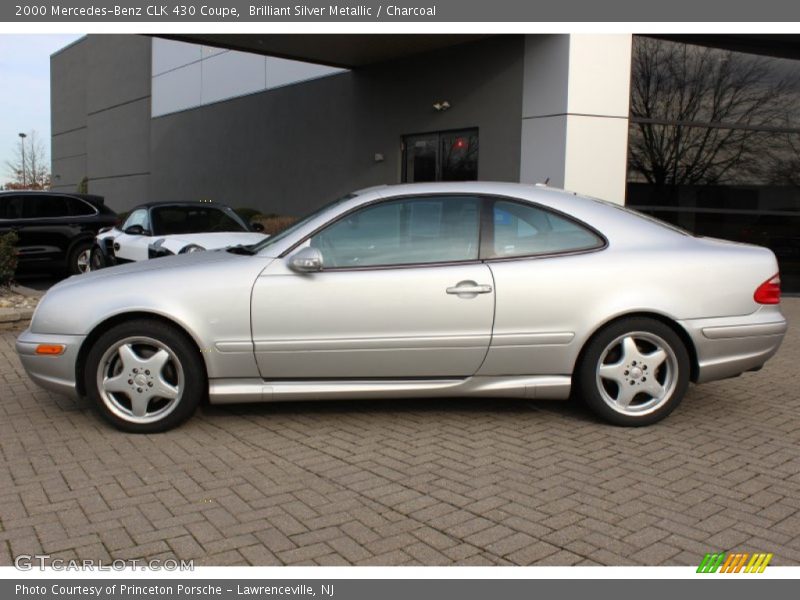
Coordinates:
25	90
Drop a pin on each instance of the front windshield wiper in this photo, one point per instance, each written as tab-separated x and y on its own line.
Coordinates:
241	249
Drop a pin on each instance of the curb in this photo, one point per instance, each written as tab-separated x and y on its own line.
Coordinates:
13	318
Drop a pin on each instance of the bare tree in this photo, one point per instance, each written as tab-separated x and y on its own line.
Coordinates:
29	166
701	115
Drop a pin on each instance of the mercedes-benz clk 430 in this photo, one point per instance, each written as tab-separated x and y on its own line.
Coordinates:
421	290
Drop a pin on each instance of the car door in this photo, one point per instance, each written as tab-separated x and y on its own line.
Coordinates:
133	243
401	294
542	263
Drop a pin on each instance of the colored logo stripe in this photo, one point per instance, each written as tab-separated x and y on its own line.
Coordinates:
758	563
711	563
734	562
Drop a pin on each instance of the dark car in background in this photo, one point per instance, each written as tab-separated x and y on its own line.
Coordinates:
56	230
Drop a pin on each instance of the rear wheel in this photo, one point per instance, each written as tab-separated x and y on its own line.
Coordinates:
145	376
79	257
634	372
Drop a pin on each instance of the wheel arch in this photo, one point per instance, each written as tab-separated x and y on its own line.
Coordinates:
664	319
103	326
86	237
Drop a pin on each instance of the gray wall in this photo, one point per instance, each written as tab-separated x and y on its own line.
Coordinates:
290	149
100	104
68	116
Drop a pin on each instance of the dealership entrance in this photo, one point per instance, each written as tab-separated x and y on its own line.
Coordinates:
441	156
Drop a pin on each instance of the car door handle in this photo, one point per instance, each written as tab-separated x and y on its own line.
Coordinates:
469	288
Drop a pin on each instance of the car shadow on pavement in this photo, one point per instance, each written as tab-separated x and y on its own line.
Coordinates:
571	409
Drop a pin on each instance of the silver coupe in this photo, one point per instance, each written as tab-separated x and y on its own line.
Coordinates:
423	290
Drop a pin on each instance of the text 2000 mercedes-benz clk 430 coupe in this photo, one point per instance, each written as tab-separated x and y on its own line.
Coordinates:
422	290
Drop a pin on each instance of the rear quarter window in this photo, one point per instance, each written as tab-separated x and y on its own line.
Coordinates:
79	208
529	230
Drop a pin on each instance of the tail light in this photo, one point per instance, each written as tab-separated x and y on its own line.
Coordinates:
769	292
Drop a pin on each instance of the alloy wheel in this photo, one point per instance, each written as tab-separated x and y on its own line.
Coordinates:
140	380
637	373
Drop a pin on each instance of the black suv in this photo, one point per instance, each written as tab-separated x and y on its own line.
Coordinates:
56	230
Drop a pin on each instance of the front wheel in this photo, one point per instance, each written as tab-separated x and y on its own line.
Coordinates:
634	372
96	259
145	376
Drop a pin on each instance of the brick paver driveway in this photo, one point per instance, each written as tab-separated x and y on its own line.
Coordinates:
420	482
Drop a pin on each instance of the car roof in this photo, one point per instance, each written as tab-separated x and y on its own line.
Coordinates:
93	198
613	220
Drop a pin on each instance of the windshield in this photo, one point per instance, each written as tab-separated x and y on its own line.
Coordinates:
299	224
174	220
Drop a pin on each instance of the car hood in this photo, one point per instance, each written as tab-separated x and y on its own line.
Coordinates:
168	262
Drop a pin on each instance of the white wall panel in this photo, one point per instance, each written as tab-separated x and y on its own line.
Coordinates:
600	74
596	152
285	72
176	90
189	75
231	74
169	54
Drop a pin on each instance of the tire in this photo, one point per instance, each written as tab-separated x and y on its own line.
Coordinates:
634	372
97	260
78	261
145	376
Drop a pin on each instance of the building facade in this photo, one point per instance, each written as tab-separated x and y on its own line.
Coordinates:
698	131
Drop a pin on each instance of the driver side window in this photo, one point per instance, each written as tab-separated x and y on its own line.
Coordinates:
419	230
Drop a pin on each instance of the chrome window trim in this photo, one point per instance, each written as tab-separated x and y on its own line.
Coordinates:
486	220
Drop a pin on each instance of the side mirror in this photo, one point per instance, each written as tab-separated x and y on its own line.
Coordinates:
256	226
307	260
135	230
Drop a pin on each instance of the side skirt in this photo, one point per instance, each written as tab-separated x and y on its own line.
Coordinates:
231	391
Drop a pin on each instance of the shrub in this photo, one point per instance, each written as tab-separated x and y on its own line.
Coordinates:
276	223
273	223
8	258
247	214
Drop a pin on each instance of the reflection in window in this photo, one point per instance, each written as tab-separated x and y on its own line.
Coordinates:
441	156
714	144
523	230
410	231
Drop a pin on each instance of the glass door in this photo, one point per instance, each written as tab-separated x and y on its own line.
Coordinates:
441	156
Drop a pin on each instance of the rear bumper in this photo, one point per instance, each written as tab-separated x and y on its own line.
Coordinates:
729	346
55	373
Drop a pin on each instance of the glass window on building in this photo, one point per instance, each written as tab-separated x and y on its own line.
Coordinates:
714	144
441	156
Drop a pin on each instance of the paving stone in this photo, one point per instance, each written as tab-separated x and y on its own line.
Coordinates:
462	482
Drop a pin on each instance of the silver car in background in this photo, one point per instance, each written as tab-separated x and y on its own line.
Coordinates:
420	290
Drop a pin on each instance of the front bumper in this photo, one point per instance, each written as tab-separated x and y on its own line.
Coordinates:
729	346
56	373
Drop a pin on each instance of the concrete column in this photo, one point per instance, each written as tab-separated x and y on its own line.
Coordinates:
576	94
